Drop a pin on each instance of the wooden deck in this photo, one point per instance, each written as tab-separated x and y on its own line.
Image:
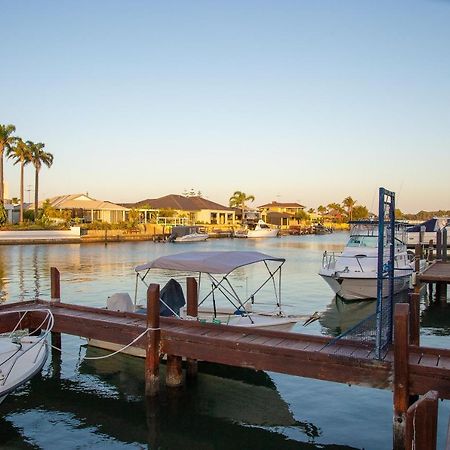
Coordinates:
290	353
437	272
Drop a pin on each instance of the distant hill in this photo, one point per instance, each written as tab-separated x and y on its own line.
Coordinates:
425	215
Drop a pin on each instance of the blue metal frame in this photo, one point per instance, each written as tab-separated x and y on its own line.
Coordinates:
385	270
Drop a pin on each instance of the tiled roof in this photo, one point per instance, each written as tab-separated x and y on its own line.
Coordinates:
281	205
82	201
179	202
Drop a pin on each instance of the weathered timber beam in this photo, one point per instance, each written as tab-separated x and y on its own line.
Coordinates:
325	367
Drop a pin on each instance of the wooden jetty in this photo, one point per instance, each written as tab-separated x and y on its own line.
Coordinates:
407	369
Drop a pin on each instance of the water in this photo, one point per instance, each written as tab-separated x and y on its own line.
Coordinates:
80	404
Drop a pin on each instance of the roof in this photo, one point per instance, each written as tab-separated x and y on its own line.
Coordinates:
222	262
82	201
180	202
282	205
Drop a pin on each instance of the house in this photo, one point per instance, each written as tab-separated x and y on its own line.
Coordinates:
281	214
189	209
87	208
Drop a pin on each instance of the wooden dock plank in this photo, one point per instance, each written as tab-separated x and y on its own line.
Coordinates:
291	353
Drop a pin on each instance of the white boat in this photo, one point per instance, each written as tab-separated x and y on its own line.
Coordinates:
426	231
187	234
259	229
352	274
225	278
22	355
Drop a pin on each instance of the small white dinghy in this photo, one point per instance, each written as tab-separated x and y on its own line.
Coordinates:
21	355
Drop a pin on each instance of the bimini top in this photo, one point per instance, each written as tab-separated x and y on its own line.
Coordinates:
208	262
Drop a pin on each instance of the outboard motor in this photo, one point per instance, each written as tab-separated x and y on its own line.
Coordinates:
172	298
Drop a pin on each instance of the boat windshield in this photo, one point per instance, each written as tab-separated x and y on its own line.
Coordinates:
363	241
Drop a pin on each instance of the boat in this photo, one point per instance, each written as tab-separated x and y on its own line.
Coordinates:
187	234
259	229
352	274
22	355
426	231
229	285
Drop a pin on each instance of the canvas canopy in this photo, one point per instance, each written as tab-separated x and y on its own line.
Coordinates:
218	262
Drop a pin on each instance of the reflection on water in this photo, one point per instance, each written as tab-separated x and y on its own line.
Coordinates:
340	316
85	404
101	406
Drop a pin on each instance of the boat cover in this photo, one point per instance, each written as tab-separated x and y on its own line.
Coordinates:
431	225
221	262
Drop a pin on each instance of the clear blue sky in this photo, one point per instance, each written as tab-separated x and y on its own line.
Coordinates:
304	101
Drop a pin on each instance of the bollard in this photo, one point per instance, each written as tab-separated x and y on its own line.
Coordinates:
153	342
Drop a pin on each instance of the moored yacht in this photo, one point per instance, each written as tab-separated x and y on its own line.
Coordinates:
353	274
258	230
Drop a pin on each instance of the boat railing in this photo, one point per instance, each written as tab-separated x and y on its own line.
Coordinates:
329	260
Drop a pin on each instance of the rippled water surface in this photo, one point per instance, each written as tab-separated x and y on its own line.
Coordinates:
79	404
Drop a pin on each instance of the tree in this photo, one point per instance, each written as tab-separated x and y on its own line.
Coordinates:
38	158
321	210
349	203
6	142
311	211
21	153
360	212
3	215
238	199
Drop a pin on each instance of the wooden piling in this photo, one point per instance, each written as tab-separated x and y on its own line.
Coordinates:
55	284
55	296
174	371
439	245
414	318
192	311
153	342
421	423
401	374
444	244
430	251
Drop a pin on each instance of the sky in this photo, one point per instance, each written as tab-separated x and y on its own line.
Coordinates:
289	101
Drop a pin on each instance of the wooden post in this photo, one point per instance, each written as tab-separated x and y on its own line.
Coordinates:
430	251
153	342
174	371
55	284
414	318
55	296
417	257
421	423
439	245
401	374
444	244
192	310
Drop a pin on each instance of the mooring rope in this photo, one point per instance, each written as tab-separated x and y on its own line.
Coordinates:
120	350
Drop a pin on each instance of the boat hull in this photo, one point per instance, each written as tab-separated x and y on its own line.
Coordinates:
363	288
22	365
191	238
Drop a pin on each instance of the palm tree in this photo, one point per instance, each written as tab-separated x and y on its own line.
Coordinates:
238	199
6	141
321	210
21	153
38	157
349	203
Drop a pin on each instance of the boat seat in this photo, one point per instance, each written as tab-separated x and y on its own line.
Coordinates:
120	301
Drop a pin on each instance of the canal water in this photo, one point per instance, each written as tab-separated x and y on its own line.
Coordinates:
94	404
